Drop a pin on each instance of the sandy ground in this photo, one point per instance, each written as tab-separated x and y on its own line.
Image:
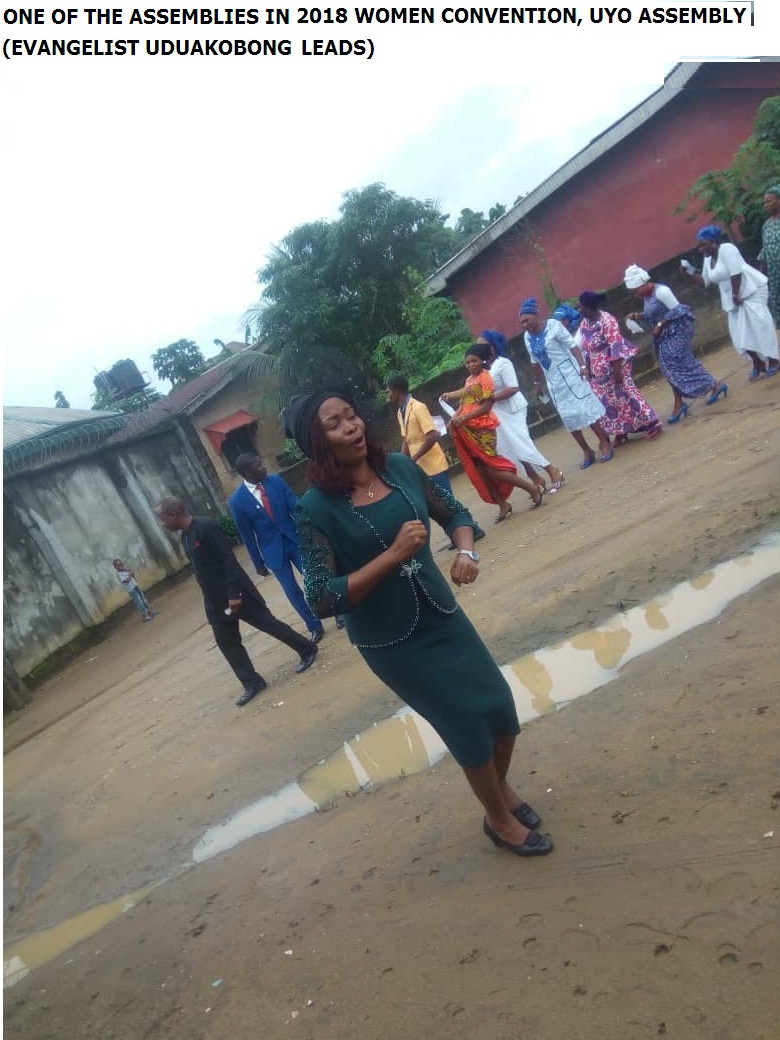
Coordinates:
391	914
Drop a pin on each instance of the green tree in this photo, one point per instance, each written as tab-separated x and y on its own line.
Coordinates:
333	289
470	223
733	196
435	342
60	400
178	362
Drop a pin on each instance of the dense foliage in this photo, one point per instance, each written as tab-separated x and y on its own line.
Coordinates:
733	196
339	297
435	342
179	361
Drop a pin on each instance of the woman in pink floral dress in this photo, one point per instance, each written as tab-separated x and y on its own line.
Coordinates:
609	360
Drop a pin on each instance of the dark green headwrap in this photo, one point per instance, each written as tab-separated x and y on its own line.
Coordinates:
301	412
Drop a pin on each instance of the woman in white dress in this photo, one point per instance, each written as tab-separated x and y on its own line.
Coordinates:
744	296
514	440
553	354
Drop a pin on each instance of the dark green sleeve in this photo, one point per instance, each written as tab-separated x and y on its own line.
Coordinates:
445	509
324	588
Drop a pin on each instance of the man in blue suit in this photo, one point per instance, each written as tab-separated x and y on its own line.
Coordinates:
264	510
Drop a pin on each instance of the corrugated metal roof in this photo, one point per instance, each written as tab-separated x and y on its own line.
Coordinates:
21	424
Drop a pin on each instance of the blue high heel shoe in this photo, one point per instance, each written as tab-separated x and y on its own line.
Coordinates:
722	389
681	413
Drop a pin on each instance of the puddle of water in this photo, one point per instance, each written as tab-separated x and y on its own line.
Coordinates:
394	747
405	743
541	682
22	957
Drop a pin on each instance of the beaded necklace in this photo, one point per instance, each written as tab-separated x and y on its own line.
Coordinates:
408	570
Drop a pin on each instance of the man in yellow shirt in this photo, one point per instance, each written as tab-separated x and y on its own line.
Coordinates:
419	433
420	436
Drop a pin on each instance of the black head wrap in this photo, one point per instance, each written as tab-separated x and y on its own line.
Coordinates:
301	412
592	300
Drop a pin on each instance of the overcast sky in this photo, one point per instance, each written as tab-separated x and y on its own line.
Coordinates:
140	199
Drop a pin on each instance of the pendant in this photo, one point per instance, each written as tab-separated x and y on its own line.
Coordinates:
369	493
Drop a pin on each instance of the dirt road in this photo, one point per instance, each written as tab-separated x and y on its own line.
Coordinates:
390	914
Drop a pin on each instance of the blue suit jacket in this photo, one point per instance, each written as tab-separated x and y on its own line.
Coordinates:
267	541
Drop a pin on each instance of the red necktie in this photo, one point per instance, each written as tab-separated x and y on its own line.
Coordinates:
265	500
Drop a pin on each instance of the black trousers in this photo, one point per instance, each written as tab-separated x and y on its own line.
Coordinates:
255	613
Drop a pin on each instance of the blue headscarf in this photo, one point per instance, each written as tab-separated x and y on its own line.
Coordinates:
710	233
497	341
565	312
537	341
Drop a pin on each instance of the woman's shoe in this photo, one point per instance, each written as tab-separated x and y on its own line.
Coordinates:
722	389
535	844
681	413
556	484
771	371
755	374
538	498
607	456
502	516
588	462
524	814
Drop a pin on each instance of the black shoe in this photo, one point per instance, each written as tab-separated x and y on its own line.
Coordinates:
308	660
251	690
317	636
535	844
526	815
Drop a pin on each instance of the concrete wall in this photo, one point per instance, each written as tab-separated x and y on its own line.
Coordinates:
64	524
619	210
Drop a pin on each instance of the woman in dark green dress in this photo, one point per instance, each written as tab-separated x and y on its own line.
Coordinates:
364	527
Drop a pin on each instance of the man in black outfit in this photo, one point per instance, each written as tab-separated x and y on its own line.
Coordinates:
229	596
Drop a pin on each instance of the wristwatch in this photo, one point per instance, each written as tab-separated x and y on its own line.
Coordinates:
470	553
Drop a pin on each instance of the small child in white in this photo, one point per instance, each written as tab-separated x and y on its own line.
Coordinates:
135	592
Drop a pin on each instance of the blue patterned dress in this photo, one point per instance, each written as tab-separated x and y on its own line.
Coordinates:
686	374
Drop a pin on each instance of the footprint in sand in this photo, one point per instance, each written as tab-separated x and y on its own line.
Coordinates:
575	940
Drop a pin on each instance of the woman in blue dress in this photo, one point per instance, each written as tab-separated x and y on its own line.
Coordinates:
673	323
554	354
364	526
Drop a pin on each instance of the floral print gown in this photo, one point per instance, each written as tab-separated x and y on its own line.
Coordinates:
626	410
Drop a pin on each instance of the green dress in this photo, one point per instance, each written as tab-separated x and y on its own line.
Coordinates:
409	629
770	254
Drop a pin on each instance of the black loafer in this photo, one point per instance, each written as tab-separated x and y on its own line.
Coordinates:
307	661
535	844
251	691
317	636
526	815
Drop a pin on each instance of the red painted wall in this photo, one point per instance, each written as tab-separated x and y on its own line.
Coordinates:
620	209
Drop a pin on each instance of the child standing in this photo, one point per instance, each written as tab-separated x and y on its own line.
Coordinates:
127	581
